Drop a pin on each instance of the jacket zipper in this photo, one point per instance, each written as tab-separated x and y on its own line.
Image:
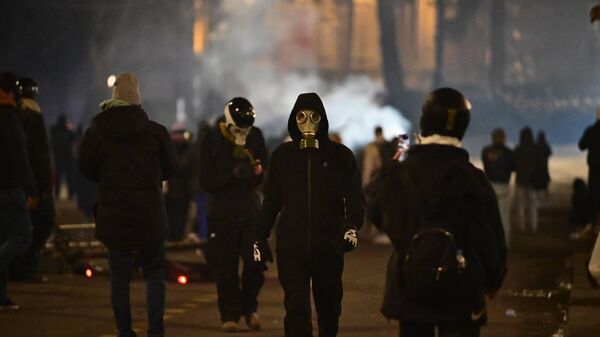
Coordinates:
309	208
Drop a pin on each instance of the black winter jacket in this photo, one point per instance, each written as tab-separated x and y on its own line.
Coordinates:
590	141
128	156
498	163
316	192
232	201
15	171
452	189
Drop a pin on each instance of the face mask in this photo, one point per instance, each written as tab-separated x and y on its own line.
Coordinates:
239	134
308	123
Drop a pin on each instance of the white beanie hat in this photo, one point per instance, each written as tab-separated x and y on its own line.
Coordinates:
127	89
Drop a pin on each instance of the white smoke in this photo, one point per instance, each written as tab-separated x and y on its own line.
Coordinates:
241	60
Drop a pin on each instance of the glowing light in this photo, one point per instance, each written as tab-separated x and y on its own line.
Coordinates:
89	273
182	279
110	81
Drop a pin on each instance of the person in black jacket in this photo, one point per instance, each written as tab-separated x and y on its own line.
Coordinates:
590	141
129	156
541	178
437	190
499	164
62	138
17	186
526	199
30	114
231	161
314	185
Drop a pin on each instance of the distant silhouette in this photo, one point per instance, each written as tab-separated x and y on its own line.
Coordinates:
525	198
541	178
62	138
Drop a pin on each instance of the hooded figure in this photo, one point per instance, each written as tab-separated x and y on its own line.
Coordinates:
590	141
230	169
314	185
129	157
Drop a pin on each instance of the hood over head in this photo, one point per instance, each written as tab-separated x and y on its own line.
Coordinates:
123	123
309	101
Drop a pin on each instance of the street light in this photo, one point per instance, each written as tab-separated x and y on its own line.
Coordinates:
110	81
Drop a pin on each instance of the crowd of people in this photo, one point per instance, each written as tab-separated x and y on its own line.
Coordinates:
449	222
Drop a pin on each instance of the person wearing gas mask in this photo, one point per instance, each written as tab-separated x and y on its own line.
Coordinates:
314	185
231	161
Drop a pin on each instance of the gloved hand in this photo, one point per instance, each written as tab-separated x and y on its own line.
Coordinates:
350	240
243	171
261	253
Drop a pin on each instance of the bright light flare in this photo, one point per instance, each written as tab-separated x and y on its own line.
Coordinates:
182	279
110	81
89	273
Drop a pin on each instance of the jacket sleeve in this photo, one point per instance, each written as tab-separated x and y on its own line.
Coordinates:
352	192
211	177
168	157
41	151
272	198
490	242
12	133
89	156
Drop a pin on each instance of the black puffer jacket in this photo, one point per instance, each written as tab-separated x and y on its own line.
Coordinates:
449	188
129	156
317	193
232	201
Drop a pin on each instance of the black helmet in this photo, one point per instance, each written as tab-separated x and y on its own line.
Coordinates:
8	82
28	87
446	112
240	111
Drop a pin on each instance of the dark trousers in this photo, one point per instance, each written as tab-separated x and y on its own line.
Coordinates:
295	275
225	249
412	329
201	199
177	211
153	268
15	231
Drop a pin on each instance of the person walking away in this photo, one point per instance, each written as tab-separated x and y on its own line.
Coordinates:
579	214
590	142
24	267
498	164
62	138
442	217
232	158
314	187
526	162
541	178
178	196
17	186
129	156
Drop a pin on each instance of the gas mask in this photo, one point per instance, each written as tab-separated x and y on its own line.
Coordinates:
236	134
308	123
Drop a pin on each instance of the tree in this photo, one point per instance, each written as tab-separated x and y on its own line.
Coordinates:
393	74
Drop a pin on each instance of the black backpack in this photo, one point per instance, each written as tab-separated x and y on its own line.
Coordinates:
433	270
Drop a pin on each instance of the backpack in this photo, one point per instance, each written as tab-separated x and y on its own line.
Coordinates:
434	267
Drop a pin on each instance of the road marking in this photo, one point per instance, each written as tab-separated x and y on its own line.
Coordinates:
189	305
174	311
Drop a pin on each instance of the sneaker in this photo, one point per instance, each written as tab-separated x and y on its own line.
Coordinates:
7	304
229	326
252	321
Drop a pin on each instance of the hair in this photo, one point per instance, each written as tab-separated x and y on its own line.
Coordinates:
378	130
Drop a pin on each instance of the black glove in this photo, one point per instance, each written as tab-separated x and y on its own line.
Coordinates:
350	240
261	253
243	171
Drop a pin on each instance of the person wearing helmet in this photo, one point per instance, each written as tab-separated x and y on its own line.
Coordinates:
17	185
314	186
231	162
24	266
442	217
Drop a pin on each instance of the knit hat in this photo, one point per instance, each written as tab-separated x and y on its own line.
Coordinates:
127	89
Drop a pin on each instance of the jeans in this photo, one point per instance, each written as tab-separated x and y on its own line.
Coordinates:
526	205
15	230
153	268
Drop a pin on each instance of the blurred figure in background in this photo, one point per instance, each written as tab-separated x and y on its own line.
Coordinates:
24	267
579	214
590	141
179	195
62	138
526	202
541	178
499	164
84	188
18	190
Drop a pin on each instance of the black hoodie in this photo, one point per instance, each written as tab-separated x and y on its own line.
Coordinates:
129	156
316	192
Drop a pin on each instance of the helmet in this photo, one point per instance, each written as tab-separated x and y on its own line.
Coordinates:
28	87
239	112
445	112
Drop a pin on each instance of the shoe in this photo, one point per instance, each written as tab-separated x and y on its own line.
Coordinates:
229	326
7	304
252	321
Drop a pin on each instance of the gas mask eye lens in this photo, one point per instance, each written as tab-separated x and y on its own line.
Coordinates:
301	117
315	117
